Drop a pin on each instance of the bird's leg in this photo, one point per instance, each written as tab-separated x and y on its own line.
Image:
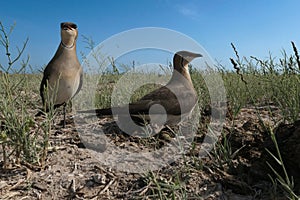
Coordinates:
64	111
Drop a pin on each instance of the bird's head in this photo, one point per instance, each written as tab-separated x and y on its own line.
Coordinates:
183	58
180	62
69	33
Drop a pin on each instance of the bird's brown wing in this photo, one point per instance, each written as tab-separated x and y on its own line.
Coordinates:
46	75
178	104
142	107
43	85
162	93
179	100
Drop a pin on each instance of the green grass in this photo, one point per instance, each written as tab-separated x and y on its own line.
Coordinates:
259	82
253	82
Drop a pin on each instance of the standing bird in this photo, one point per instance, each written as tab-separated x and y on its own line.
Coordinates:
166	105
63	75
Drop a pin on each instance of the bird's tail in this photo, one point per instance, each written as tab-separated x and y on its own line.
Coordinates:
98	112
131	109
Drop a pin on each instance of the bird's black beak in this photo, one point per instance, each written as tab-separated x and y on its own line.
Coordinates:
196	55
68	25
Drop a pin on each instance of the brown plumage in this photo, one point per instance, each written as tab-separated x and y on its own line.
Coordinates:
62	78
178	98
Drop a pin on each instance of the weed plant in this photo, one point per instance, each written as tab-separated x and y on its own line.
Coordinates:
20	139
253	82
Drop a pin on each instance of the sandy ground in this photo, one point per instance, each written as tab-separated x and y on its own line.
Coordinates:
73	171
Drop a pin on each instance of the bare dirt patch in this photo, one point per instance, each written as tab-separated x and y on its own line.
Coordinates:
71	171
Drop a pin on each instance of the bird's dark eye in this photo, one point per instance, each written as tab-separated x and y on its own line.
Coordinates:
68	25
73	26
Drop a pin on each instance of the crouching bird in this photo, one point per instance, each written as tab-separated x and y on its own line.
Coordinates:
62	78
167	105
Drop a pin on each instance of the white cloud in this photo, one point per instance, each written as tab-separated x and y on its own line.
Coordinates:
188	11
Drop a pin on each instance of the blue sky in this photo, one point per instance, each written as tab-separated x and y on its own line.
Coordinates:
256	27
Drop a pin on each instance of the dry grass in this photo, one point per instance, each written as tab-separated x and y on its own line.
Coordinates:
42	161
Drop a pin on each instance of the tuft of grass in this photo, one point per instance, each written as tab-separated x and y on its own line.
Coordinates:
159	187
252	82
265	82
286	182
281	81
20	141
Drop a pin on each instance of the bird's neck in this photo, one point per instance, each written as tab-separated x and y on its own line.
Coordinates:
68	42
68	45
183	71
66	50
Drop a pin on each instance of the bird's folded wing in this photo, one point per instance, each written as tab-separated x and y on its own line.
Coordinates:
170	103
142	107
